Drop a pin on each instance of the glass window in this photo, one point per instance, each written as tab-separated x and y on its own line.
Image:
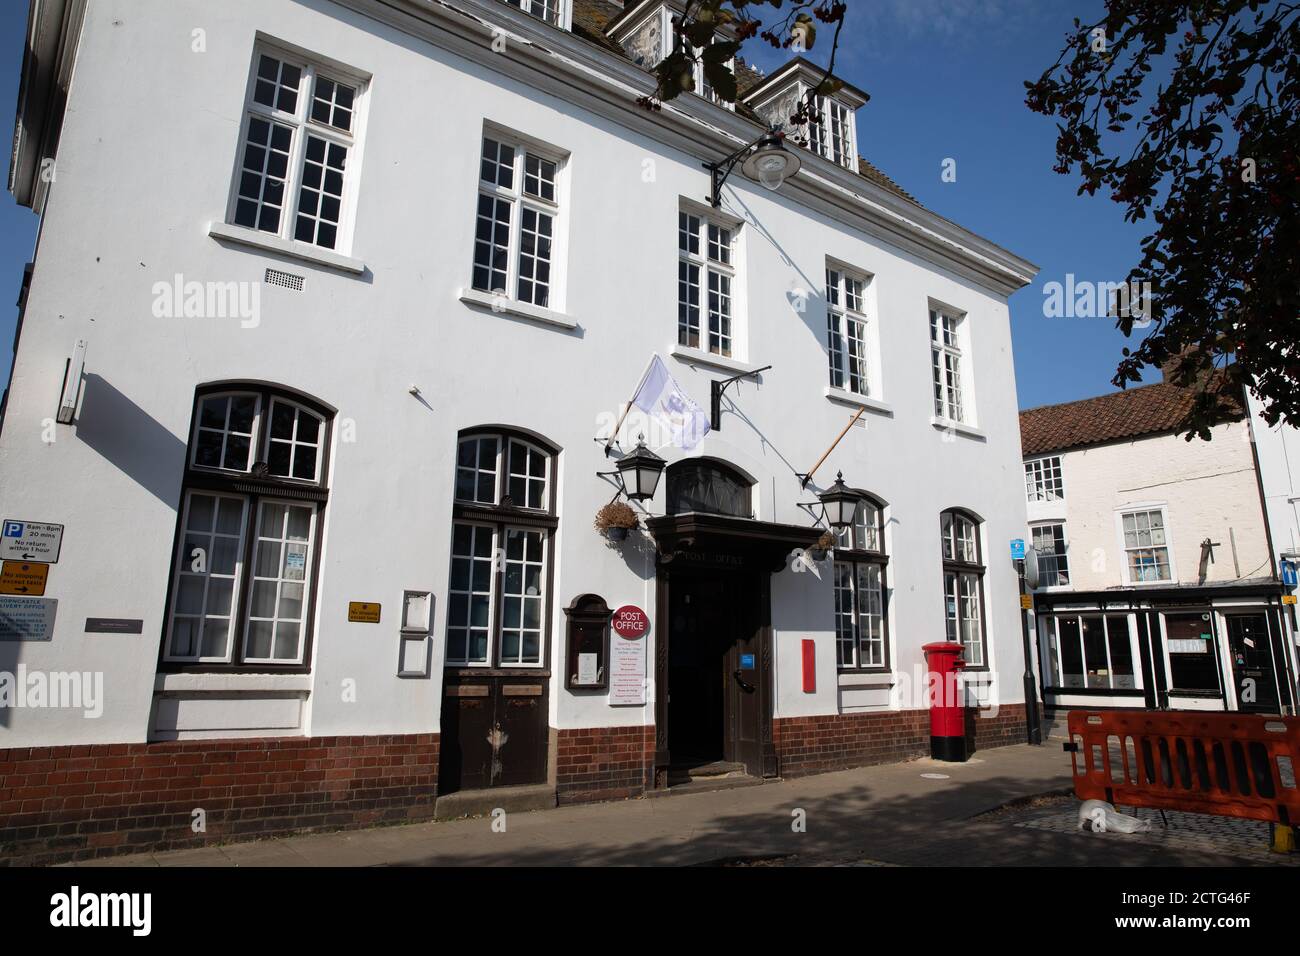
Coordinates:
270	192
293	449
859	579
1092	651
515	224
846	331
1145	546
1043	480
963	577
223	435
708	487
946	365
210	621
1193	653
705	251
1053	562
497	602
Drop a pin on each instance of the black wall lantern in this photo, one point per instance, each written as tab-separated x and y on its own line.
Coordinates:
766	161
839	503
639	472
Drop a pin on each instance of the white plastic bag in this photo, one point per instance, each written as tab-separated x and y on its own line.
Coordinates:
1100	817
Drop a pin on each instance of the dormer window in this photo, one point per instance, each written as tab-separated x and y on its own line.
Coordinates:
832	129
554	12
645	31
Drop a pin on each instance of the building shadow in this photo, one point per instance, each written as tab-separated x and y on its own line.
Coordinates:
130	439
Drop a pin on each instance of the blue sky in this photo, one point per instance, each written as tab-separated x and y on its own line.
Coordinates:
945	78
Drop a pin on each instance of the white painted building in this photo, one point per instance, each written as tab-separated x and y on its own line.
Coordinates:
1158	587
362	286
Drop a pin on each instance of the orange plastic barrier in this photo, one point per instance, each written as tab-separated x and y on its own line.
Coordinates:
1231	765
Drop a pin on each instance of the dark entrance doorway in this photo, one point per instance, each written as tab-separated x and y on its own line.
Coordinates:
1250	648
715	670
713	659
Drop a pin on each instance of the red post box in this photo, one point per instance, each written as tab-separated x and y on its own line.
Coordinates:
947	710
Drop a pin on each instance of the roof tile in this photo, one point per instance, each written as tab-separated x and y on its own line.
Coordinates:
1131	413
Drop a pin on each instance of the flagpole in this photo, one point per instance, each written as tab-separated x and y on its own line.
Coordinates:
804	479
635	392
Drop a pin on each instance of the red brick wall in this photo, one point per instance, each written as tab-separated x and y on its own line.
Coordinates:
818	744
1007	728
603	763
80	802
827	742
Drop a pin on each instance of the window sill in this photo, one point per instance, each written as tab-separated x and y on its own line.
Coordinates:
295	250
228	682
500	305
947	424
842	397
692	356
865	680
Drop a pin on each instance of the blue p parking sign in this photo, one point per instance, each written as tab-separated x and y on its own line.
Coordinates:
13	529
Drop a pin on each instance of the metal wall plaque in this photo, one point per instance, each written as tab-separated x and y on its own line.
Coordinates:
27	619
114	625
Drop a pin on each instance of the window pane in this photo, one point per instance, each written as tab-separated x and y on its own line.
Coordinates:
1071	651
1094	653
207	577
320	199
476	471
845	615
280	577
1121	652
470	594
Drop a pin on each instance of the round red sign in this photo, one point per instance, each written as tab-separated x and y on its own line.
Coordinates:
631	622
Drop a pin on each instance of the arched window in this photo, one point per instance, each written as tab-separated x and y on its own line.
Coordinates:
248	533
708	487
860	583
504	518
963	584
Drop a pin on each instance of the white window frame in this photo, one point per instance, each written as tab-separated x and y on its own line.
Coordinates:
709	267
842	316
1133	509
519	200
492	593
306	580
1052	632
302	124
295	443
563	19
822	138
182	559
199	427
1063	556
950	371
1044	479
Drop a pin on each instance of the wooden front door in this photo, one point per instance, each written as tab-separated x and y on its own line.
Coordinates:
743	677
1251	650
494	732
716	669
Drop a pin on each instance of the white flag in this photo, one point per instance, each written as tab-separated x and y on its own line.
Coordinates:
663	399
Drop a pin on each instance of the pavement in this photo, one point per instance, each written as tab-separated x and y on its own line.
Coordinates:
996	809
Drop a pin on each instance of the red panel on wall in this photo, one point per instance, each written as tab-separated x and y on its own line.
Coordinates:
809	667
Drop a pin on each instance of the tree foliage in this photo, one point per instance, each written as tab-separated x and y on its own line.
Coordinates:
700	36
1187	112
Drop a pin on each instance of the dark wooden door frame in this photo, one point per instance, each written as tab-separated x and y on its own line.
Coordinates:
666	571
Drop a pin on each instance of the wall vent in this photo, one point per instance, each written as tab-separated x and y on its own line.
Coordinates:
286	280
